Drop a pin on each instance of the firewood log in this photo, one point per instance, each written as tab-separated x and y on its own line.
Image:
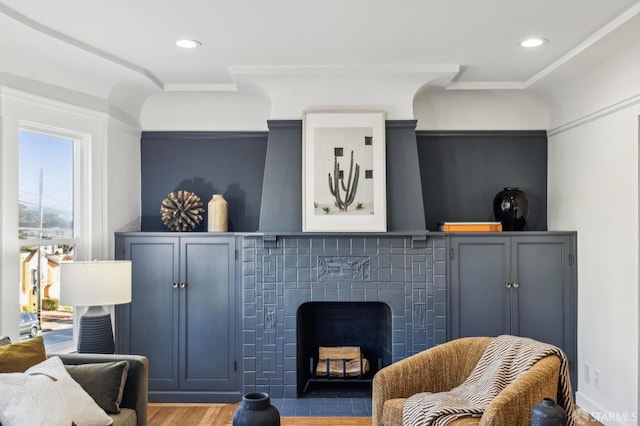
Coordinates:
344	361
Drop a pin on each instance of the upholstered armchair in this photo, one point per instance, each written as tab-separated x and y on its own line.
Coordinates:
446	366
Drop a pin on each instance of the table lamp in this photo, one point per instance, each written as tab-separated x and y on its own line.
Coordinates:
95	284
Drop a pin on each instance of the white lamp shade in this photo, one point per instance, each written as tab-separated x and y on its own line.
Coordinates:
95	283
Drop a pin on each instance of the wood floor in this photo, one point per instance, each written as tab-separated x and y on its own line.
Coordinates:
222	415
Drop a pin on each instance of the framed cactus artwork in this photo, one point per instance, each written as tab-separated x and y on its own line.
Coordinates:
344	172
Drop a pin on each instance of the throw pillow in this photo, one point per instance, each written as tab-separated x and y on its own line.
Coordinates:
46	395
17	357
5	340
104	382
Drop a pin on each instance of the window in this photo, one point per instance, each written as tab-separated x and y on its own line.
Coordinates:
45	194
48	226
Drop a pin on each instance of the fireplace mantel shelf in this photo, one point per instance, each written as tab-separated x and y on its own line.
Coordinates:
260	234
418	237
391	233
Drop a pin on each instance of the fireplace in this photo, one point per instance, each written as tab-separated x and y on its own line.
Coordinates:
400	281
366	325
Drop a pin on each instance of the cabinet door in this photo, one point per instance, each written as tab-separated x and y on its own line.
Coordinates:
207	314
540	267
479	299
149	324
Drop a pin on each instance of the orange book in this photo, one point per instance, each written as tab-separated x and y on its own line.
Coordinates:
470	226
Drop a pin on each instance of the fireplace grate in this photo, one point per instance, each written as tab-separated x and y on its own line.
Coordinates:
360	377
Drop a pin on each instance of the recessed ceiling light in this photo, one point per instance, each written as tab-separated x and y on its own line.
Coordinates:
533	42
188	44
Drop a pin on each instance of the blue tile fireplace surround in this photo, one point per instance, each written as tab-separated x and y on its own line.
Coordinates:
405	274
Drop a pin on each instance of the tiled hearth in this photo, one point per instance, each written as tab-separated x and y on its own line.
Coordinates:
407	273
323	407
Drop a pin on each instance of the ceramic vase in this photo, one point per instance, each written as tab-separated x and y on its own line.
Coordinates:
511	208
256	409
548	413
217	214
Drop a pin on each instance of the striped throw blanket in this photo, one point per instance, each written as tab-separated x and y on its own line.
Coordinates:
506	358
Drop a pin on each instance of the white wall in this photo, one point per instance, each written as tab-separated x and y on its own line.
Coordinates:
219	111
439	109
123	187
593	175
593	188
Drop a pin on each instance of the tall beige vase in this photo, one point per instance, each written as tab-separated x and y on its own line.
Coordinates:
217	214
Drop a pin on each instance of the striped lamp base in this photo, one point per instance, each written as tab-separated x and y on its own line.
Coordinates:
95	335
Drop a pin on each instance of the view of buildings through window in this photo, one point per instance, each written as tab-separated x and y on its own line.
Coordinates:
46	222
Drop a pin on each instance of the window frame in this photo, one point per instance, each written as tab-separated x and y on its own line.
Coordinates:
81	230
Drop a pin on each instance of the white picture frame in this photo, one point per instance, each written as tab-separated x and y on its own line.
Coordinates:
330	140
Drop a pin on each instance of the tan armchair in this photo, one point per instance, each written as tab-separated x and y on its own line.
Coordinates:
446	366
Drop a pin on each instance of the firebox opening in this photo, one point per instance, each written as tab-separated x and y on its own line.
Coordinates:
366	325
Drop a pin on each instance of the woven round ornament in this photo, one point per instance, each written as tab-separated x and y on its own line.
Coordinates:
182	211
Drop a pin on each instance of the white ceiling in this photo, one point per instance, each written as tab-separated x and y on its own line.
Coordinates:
481	37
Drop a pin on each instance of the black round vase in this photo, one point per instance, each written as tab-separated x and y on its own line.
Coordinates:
548	413
256	410
511	208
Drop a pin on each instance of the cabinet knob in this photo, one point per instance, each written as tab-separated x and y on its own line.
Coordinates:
507	285
183	285
516	285
174	285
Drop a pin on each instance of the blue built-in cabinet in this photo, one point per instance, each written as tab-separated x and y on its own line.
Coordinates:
523	284
182	315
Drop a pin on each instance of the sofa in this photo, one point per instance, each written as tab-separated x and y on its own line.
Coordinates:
443	367
134	394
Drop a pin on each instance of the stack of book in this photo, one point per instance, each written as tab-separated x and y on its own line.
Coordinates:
470	226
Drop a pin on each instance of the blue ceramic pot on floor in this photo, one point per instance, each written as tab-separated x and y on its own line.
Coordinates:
256	410
548	413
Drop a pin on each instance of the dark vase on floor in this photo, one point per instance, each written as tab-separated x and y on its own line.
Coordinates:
511	208
256	410
548	413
